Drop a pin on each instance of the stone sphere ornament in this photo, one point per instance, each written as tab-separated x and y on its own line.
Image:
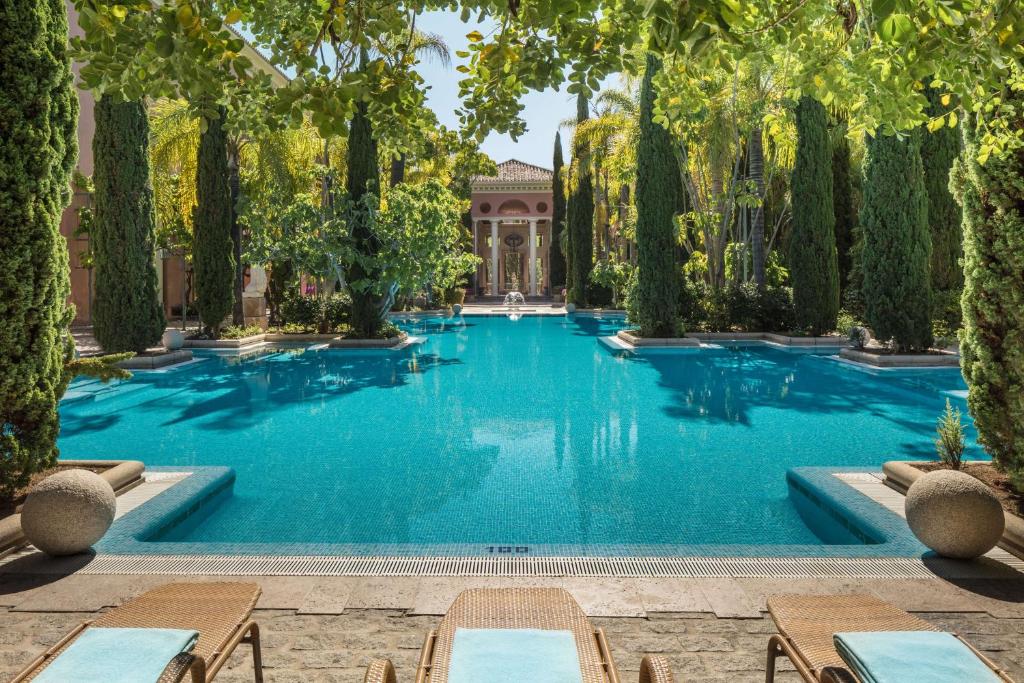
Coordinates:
457	309
954	514
570	307
67	512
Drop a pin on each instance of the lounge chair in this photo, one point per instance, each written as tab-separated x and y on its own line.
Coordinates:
519	608
220	612
808	623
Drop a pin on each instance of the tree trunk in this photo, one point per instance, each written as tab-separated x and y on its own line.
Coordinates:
234	186
756	161
398	170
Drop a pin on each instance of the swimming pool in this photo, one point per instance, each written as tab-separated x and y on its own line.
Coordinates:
527	434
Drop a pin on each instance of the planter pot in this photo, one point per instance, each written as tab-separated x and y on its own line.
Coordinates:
172	339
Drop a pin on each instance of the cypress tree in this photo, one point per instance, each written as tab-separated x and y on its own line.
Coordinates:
212	251
842	203
656	299
38	117
813	264
939	149
992	338
363	178
581	215
556	268
897	246
127	315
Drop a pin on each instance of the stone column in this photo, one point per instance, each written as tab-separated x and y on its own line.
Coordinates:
476	252
533	257
494	258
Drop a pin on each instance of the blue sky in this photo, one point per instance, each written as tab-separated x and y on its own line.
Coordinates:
543	110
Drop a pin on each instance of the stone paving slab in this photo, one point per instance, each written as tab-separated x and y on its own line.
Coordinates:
330	628
336	648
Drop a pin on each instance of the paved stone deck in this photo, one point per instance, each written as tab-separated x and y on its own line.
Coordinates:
327	629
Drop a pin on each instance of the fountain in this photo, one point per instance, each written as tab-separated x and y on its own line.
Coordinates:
514	299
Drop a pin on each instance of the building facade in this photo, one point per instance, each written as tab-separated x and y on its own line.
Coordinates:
171	269
511	214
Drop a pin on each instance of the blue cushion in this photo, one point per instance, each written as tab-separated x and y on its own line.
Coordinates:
506	655
118	655
919	656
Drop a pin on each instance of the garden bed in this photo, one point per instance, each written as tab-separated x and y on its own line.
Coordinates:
880	358
901	474
774	337
632	338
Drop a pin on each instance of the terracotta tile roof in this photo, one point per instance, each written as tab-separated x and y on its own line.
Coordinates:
515	171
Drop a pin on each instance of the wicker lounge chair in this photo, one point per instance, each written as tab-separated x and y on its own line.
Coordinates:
540	608
218	611
807	623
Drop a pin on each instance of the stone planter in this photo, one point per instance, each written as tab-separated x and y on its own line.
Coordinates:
654	342
153	361
902	360
388	343
172	339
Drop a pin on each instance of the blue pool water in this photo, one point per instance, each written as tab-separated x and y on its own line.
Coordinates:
529	434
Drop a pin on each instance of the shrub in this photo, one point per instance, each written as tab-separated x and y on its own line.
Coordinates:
813	263
657	198
39	111
240	331
992	340
316	314
951	441
775	309
897	243
213	250
127	314
737	306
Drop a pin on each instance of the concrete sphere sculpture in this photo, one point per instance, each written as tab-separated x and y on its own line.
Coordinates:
954	514
457	308
570	307
67	512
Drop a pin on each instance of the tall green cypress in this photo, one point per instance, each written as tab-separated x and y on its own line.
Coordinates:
939	149
813	265
127	315
842	203
556	269
363	178
992	339
212	252
897	246
38	117
656	299
581	215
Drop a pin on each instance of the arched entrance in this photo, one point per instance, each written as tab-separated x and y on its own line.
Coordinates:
512	229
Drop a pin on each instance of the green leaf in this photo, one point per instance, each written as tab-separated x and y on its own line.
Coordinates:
896	28
882	8
164	45
474	36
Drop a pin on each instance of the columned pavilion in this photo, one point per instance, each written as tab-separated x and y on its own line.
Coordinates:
511	215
